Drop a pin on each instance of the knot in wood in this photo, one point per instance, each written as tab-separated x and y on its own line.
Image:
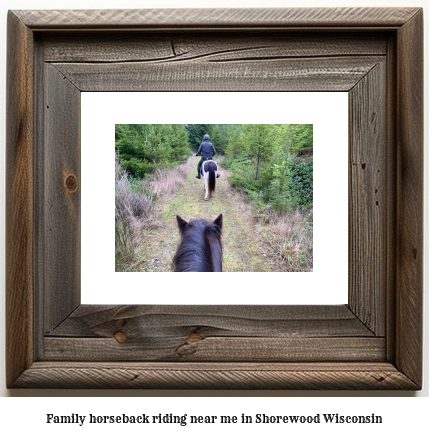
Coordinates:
71	183
120	337
193	338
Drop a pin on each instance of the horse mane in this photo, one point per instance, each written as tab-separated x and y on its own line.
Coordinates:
200	249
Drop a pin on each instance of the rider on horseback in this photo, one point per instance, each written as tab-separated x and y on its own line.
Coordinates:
206	151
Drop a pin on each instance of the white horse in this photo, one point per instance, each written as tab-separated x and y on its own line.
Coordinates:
209	170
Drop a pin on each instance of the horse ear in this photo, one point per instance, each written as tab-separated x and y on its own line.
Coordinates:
218	221
181	223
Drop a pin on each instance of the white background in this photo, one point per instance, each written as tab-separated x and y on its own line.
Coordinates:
327	111
18	414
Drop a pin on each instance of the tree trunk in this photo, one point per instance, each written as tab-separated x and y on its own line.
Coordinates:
257	165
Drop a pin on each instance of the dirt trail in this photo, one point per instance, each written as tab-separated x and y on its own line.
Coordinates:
242	251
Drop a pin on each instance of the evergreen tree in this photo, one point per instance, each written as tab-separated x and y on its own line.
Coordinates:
278	177
258	136
196	134
143	147
236	143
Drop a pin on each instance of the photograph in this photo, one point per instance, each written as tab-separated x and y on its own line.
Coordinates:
213	197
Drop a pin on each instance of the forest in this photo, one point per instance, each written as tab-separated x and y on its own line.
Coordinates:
271	163
268	167
143	148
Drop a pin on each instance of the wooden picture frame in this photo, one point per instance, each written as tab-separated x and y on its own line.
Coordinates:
373	342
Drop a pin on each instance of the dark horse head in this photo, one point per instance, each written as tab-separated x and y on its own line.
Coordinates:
201	248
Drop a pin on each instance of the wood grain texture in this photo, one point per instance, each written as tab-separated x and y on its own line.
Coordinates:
289	18
19	200
213	333
192	347
61	186
368	202
391	192
410	198
215	376
298	74
177	47
99	321
178	348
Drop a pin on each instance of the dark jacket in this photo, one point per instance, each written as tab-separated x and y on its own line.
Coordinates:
206	150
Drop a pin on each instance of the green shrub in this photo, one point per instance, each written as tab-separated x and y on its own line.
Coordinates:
242	177
301	184
285	184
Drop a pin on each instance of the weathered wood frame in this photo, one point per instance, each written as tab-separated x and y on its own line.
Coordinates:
374	342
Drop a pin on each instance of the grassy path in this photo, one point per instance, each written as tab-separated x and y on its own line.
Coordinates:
242	251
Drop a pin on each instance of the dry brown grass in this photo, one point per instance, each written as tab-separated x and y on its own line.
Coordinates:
137	208
164	183
288	237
